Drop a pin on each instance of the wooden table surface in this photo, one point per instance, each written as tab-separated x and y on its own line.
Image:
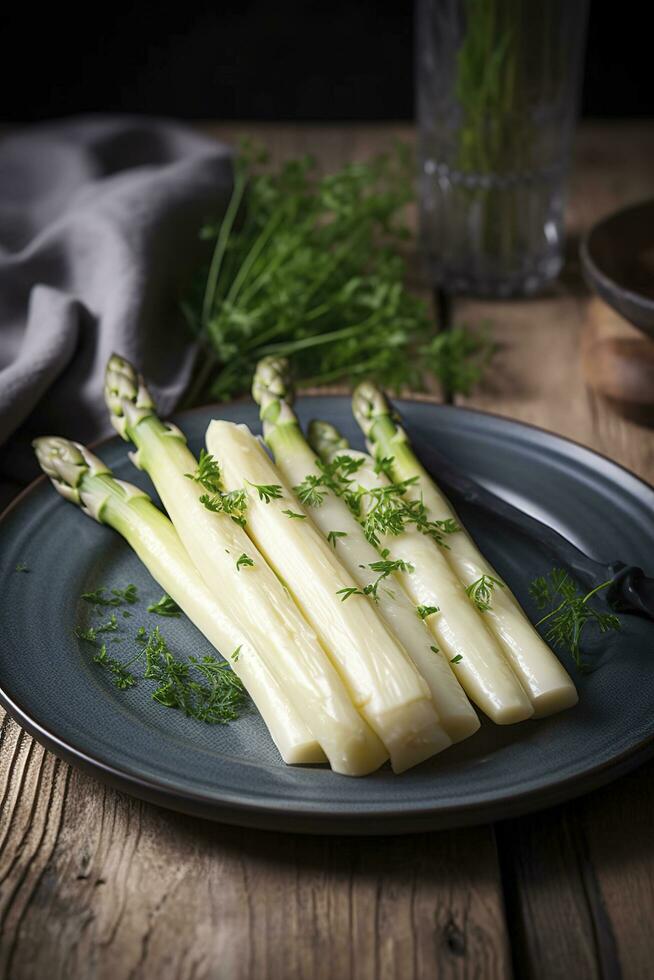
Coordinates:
96	884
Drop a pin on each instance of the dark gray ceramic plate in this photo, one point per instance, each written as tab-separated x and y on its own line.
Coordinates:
233	773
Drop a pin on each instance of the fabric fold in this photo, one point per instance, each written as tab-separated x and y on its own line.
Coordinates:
99	222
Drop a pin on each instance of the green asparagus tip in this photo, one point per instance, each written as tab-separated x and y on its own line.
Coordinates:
325	439
72	469
66	463
368	403
272	390
126	395
272	380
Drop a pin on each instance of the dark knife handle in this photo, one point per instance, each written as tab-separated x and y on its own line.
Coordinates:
631	590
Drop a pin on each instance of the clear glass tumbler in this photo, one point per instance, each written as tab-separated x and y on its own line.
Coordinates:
497	97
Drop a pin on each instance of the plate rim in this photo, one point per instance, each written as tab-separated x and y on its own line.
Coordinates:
309	817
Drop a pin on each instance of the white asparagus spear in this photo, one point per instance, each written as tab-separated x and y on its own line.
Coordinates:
297	462
82	478
476	659
383	683
251	594
542	675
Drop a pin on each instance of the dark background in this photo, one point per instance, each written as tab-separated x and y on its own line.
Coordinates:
263	59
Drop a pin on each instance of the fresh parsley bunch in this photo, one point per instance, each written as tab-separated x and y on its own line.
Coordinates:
310	268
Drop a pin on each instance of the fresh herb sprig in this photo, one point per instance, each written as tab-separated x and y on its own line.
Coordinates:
571	612
481	591
311	267
267	491
384	567
312	491
233	503
207	473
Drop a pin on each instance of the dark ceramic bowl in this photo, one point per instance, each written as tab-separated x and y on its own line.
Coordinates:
617	256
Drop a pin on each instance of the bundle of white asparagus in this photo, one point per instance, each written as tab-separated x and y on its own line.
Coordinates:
360	636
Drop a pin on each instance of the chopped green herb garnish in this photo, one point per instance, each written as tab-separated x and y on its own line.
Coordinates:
116	597
386	566
311	491
294	515
334	535
91	634
122	676
434	649
424	611
267	491
243	562
207	473
233	503
482	590
384	510
21	567
215	698
335	476
572	611
237	653
165	607
347	592
457	659
384	464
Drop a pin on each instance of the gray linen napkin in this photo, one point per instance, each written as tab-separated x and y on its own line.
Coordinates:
99	220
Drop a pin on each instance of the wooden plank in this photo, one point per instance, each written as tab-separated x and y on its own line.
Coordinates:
95	884
578	878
